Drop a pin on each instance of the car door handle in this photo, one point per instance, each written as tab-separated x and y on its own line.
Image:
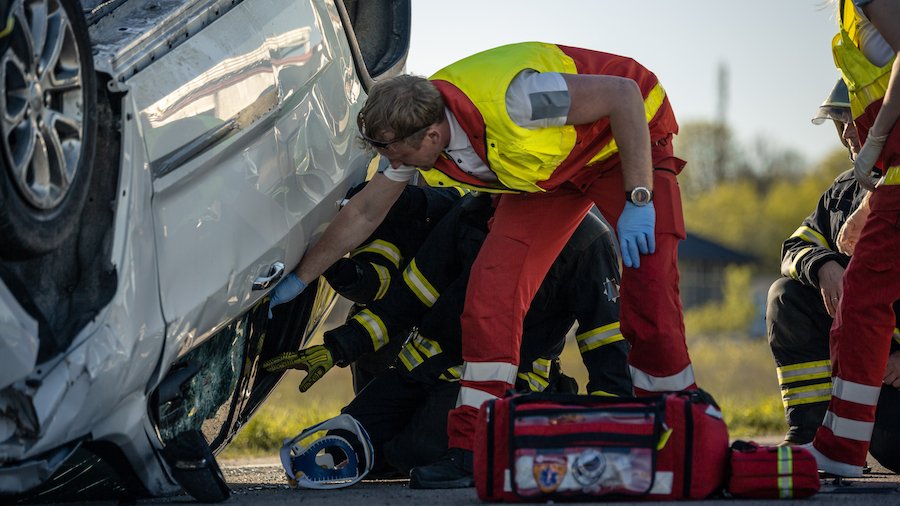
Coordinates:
276	271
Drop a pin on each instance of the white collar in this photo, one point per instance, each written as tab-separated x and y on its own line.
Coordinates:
458	138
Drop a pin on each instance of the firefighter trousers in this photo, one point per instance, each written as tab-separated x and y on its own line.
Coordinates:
798	327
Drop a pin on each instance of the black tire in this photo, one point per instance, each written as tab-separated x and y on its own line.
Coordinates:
48	124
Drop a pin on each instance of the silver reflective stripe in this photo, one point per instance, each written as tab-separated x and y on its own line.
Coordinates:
804	371
856	392
810	235
472	397
535	382
541	367
428	347
383	248
384	280
794	273
490	371
419	285
410	357
374	326
847	428
598	337
785	472
675	382
807	394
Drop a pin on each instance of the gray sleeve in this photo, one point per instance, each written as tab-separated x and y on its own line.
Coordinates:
538	99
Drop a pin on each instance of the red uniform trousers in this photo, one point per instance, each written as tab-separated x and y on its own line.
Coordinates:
526	234
861	333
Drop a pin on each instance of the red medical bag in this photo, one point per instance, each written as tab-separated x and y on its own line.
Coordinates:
772	472
540	447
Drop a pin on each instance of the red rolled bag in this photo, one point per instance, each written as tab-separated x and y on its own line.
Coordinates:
771	472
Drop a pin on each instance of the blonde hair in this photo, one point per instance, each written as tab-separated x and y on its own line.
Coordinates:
403	105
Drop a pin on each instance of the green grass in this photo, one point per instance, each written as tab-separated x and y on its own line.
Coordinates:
287	412
739	373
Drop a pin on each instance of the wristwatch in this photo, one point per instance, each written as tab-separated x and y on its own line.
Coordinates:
640	196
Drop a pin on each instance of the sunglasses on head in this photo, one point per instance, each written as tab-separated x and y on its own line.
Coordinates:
375	143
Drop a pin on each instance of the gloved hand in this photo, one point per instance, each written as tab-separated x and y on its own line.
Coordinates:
315	360
865	160
636	230
286	290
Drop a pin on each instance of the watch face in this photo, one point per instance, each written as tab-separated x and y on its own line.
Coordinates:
641	196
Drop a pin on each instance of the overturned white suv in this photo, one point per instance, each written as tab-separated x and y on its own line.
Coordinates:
161	163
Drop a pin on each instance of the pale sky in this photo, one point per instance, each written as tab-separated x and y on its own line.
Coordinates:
778	52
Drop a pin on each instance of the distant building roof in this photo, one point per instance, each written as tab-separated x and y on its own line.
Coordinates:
698	248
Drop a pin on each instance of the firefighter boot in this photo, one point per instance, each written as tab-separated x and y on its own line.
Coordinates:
454	470
803	420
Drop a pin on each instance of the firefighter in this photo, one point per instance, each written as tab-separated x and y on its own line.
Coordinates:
364	276
865	51
802	304
555	129
581	285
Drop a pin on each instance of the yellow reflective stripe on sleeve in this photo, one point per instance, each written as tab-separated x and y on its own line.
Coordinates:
429	348
795	274
785	472
601	393
410	357
535	382
381	247
452	374
897	335
384	280
652	104
541	367
374	326
809	234
598	337
420	286
796	396
10	24
793	373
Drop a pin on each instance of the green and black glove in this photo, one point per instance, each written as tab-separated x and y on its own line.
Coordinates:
315	360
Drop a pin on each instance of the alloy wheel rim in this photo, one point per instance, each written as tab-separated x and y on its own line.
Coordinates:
41	112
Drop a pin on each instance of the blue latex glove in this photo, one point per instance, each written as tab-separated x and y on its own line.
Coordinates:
286	290
636	233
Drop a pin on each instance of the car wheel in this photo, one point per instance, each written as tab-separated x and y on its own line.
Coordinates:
47	125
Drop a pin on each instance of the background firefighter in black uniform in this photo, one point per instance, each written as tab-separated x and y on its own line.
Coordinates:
801	306
404	409
365	275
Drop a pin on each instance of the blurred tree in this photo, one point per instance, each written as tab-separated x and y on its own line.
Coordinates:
712	153
729	317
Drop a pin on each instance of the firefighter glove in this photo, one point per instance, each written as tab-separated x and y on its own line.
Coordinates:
865	160
636	233
286	290
315	360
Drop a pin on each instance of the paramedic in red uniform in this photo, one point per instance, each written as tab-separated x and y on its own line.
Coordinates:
551	129
865	51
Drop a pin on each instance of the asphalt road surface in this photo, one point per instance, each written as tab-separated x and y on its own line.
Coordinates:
262	482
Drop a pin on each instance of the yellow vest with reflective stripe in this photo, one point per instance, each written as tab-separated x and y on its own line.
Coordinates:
523	159
867	83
